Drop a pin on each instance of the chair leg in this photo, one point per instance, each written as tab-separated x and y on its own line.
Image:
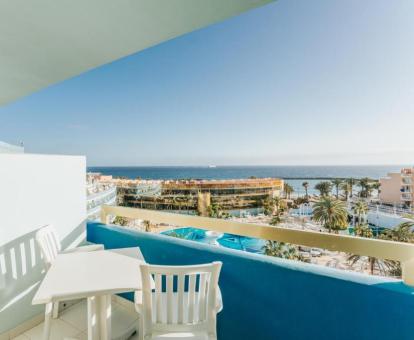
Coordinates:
48	319
55	310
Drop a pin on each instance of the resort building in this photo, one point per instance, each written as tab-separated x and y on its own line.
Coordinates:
98	193
195	196
397	188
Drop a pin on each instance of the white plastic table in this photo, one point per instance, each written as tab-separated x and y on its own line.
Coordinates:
95	276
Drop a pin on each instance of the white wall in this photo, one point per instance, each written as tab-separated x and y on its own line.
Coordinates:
35	190
391	189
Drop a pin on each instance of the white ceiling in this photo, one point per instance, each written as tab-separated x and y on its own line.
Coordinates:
43	42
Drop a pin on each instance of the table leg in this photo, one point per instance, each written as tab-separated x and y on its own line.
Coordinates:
48	317
99	317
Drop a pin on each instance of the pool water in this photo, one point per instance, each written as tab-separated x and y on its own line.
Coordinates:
249	244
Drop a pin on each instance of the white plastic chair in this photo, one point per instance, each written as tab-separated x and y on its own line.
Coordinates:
184	303
50	247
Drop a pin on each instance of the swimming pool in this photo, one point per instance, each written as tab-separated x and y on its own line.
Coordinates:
252	245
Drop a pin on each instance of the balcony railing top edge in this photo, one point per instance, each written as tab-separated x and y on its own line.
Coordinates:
403	252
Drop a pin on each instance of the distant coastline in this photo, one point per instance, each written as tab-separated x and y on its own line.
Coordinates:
234	172
293	175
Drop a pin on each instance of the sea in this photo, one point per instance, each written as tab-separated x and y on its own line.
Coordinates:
294	175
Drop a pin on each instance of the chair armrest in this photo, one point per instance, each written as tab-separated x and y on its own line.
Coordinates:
84	249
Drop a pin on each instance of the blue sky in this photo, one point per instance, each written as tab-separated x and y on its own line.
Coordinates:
294	82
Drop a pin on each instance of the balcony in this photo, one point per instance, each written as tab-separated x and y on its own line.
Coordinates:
406	197
266	297
407	172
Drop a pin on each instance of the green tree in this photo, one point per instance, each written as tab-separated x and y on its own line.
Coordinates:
147	226
215	210
401	233
276	220
360	209
281	249
352	182
384	267
306	186
347	189
288	190
279	204
336	183
331	213
274	207
324	188
122	221
376	186
268	206
365	187
363	230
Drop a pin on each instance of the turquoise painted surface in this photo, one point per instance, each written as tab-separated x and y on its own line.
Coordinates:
270	298
252	245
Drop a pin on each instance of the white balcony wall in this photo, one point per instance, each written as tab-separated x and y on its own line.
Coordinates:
35	190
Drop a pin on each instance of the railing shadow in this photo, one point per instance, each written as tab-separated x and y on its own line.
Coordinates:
21	271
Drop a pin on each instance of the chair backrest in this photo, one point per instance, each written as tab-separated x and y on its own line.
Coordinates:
49	243
184	298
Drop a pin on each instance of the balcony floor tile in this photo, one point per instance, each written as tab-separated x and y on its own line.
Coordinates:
73	322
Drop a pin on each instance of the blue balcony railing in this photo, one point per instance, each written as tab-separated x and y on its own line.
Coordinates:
271	298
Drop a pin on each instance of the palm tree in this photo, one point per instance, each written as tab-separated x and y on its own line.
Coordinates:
275	220
347	189
336	183
288	190
279	204
120	220
376	186
363	230
306	186
360	208
401	233
384	266
147	225
274	207
268	206
215	210
324	188
351	182
331	213
281	249
364	184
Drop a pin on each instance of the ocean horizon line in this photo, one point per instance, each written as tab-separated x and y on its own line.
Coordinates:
246	166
